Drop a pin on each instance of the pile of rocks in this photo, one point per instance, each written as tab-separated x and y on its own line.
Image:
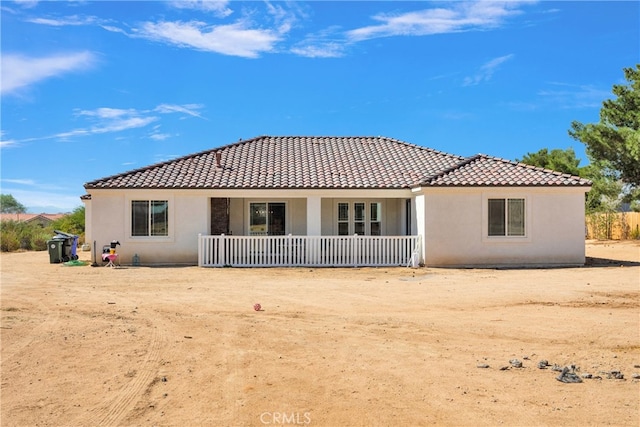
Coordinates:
568	374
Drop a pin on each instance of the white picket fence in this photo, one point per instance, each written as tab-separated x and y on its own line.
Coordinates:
317	251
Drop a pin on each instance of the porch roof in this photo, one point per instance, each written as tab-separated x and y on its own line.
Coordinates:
324	162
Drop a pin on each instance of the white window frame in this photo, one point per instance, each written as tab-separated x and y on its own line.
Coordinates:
170	218
287	215
506	238
352	220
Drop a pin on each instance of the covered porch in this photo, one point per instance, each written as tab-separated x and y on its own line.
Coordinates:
321	228
308	251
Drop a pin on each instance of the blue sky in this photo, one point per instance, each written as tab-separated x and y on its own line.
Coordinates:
91	89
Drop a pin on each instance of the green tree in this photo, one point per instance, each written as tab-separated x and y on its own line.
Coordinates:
72	223
564	161
8	204
606	191
615	139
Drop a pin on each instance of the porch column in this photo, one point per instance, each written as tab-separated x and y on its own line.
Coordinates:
421	222
314	228
314	216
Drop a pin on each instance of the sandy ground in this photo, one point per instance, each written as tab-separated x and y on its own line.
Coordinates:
331	347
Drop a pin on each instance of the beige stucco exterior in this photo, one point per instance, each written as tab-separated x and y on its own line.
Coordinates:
452	222
108	216
455	227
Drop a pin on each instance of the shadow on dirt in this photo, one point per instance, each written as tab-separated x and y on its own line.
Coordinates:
605	262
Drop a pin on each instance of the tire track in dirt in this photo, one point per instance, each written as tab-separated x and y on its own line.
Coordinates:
112	411
12	349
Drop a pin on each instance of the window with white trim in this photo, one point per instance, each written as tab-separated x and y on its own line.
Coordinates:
149	218
360	218
506	217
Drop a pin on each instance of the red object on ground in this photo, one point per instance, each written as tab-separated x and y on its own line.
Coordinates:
257	307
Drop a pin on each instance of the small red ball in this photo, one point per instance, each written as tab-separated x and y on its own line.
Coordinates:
257	307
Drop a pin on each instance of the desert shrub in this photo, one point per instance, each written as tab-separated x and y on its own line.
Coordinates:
16	235
10	238
72	223
38	240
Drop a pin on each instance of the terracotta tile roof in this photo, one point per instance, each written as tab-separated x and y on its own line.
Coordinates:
486	171
293	162
277	162
27	217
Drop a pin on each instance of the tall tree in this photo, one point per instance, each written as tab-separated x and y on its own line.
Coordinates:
8	204
615	139
564	161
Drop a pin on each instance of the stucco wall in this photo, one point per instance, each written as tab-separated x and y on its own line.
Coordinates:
108	216
188	216
456	231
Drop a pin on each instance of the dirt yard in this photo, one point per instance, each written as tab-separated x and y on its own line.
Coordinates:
331	347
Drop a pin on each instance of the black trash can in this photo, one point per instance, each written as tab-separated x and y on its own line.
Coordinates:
56	250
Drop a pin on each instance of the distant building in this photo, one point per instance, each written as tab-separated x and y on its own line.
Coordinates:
42	219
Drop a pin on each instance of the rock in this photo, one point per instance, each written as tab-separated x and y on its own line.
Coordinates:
635	376
567	376
482	366
543	364
515	363
615	375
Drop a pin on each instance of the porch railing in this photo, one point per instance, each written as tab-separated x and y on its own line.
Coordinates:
318	251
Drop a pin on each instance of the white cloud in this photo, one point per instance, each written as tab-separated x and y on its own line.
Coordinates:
29	182
231	39
73	20
159	136
328	43
19	71
27	4
113	120
485	73
570	96
218	7
320	50
109	120
5	143
189	109
456	18
107	113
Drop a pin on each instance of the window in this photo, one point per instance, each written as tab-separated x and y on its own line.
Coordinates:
149	218
374	218
365	220
506	217
343	219
359	219
267	219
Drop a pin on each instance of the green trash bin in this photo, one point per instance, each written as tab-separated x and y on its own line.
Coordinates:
56	248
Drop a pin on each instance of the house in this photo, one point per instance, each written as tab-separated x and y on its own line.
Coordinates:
333	201
42	219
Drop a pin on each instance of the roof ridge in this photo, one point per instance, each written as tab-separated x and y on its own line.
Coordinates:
466	161
538	168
